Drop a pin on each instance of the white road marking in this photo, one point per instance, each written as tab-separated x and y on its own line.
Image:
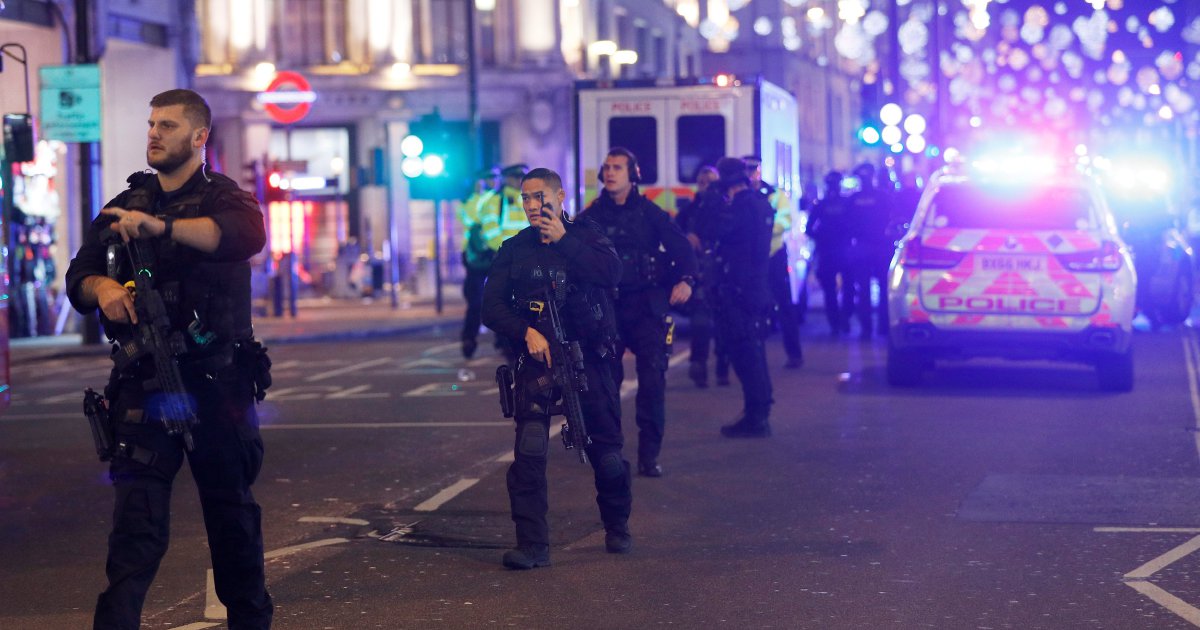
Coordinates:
1158	564
445	347
25	417
320	376
379	425
1181	608
1151	530
436	501
214	609
287	551
359	392
426	362
199	625
435	389
335	520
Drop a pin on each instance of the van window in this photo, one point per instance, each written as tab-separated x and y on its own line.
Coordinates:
640	135
701	143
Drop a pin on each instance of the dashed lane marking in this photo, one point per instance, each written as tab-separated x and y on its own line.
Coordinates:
436	501
214	609
333	520
357	367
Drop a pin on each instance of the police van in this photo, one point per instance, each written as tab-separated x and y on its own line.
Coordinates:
676	128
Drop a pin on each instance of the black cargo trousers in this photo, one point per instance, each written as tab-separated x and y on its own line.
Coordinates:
741	326
226	460
642	328
527	488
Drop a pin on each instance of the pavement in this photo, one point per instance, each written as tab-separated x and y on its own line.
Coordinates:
316	320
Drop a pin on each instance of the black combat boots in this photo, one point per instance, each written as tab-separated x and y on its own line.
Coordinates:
527	557
748	425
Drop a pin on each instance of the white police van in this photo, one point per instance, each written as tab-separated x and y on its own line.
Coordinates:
676	127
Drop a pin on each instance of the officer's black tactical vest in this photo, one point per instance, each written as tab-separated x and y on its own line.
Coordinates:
632	236
588	315
193	287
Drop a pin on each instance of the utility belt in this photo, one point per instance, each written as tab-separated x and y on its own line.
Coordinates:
104	430
248	356
535	311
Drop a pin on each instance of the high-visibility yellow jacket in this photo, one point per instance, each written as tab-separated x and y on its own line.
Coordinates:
782	203
469	212
502	216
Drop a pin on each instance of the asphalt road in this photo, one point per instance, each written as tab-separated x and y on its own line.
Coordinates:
998	495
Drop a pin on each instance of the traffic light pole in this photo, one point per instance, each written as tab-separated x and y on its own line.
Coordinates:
437	254
89	183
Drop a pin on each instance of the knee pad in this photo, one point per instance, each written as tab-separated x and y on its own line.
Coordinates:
611	466
532	439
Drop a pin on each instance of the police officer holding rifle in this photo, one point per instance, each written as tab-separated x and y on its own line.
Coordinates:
576	267
167	265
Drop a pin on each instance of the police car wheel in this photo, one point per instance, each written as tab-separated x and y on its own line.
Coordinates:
904	367
1115	372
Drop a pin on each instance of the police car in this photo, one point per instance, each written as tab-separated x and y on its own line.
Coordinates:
1015	258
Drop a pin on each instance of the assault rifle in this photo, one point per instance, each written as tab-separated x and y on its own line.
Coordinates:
152	337
566	366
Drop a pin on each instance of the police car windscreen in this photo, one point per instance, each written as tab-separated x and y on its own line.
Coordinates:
1005	207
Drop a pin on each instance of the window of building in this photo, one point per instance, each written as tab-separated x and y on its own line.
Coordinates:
701	143
660	56
640	135
443	31
301	34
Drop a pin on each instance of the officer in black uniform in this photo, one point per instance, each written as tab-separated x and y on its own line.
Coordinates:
874	245
199	230
830	228
737	221
512	306
698	309
658	269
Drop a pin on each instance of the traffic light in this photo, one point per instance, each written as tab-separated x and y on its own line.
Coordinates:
435	158
869	134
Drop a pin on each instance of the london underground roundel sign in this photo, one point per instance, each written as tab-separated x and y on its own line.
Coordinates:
287	105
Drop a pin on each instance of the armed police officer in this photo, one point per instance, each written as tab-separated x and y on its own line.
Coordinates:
193	232
736	220
830	227
584	268
658	269
874	244
778	278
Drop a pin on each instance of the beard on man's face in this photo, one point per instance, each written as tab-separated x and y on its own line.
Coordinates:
168	161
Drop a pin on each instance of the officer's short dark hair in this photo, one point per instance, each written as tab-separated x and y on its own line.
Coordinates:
194	106
551	178
732	171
